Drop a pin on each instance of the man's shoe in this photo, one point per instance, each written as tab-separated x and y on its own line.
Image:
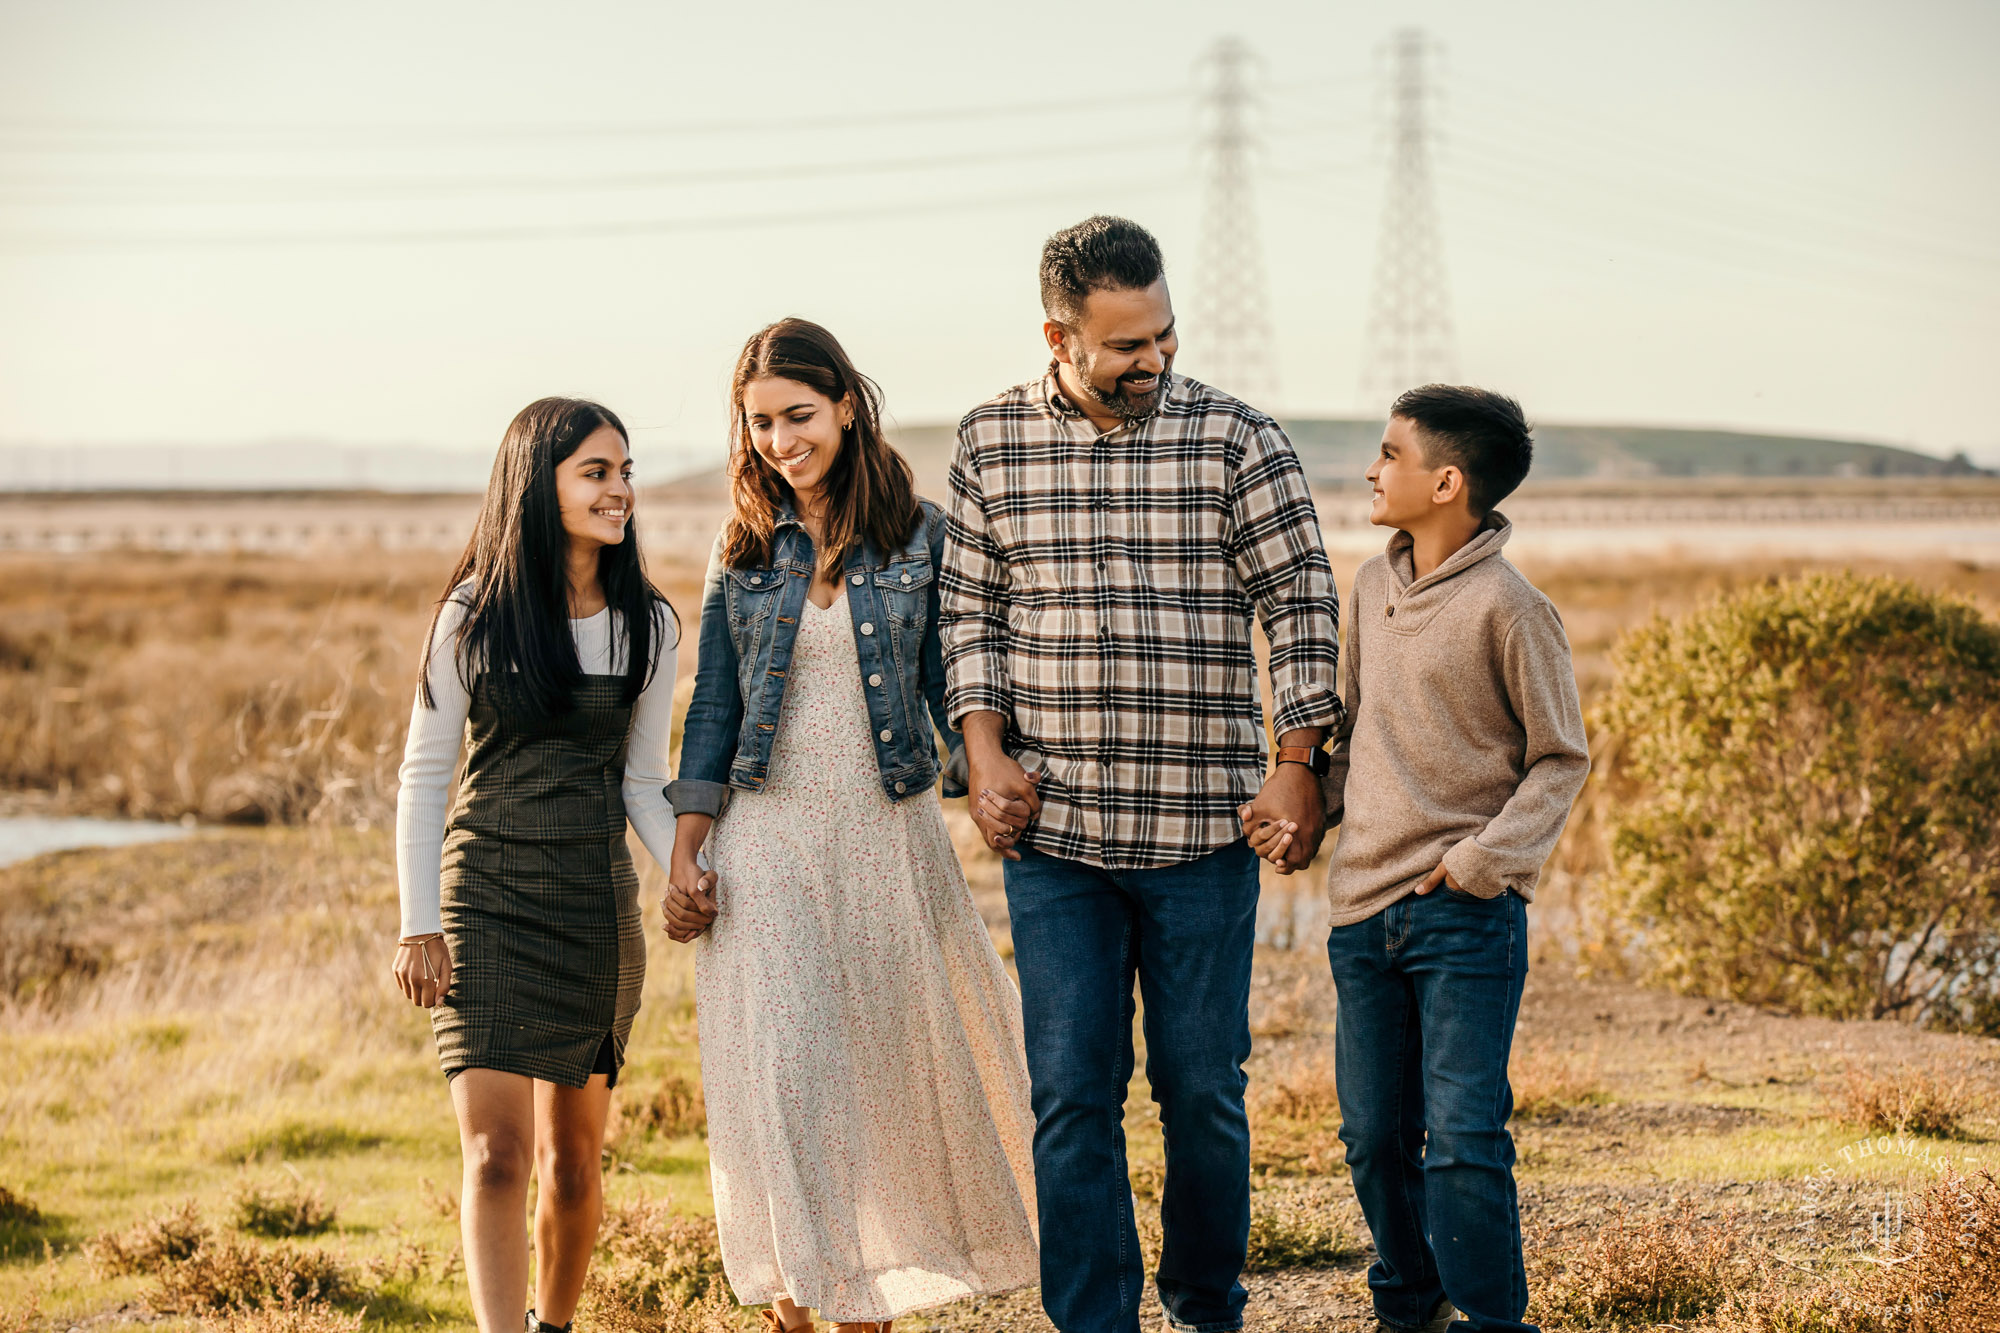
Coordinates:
1440	1321
1441	1318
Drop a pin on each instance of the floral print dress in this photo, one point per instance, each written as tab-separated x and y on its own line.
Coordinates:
869	1125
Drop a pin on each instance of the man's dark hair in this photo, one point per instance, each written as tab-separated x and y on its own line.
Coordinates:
1481	433
1097	254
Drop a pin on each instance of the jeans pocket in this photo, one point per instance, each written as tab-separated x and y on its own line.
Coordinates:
1462	896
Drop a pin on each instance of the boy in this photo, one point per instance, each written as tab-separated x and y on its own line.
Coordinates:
1461	752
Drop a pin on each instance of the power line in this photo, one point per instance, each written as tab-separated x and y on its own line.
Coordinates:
33	242
310	188
1742	242
1679	185
1408	338
101	136
1766	181
1722	258
1234	310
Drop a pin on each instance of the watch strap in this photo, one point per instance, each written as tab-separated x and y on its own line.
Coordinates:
1311	756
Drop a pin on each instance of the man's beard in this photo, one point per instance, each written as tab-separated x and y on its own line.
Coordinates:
1121	401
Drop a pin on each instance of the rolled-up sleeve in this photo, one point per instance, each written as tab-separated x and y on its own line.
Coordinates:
1282	564
973	602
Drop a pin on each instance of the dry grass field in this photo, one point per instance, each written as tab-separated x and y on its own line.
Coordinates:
213	1104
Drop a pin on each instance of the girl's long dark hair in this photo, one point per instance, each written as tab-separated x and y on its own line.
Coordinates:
515	571
870	491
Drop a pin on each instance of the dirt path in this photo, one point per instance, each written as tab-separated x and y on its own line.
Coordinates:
1720	1105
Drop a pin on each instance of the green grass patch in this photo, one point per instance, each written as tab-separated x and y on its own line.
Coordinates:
294	1139
157	1082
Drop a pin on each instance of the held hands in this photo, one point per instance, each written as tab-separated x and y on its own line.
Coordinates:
1287	821
423	970
1004	802
690	906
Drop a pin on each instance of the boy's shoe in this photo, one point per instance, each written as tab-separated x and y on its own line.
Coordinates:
1440	1321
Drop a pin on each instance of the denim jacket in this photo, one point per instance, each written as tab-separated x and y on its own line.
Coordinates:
749	620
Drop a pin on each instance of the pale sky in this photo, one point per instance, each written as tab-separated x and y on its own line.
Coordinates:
236	222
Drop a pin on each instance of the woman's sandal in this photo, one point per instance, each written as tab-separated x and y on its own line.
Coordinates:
773	1324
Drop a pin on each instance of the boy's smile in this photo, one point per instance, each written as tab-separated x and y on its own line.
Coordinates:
1405	484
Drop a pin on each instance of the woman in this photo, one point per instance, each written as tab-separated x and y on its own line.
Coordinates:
860	1041
551	658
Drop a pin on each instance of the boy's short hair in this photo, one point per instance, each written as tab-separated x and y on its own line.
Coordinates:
1481	433
1096	254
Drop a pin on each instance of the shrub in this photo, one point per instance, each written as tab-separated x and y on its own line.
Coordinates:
290	1316
227	1274
23	1317
715	1312
1807	773
165	1238
673	1108
196	1271
1547	1081
1639	1272
1941	1273
16	1209
652	1260
1297	1228
1295	1120
1944	1272
282	1210
1905	1100
1303	1090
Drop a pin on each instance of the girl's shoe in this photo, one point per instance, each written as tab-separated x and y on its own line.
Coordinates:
773	1324
535	1325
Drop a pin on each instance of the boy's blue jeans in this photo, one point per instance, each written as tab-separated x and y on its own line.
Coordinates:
1429	989
1080	936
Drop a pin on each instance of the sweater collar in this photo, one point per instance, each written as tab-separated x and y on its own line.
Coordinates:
1492	535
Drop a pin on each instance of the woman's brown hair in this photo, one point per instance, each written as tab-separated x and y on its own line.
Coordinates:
870	491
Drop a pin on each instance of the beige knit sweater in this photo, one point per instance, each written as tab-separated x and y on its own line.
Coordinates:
1463	740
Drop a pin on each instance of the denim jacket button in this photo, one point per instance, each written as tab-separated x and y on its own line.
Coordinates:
858	580
875	681
887	735
867	627
906	578
756	578
902	787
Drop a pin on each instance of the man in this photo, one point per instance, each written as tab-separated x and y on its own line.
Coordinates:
1111	528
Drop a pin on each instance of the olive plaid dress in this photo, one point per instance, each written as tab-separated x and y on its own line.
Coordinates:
539	900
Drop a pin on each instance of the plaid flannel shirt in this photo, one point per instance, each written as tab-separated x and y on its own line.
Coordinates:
1097	593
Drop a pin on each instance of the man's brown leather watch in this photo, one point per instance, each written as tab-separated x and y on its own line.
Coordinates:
1313	757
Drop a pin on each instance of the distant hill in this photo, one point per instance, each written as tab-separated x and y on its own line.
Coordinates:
1338	449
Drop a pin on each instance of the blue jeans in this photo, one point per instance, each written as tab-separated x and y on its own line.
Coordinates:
1429	988
1080	936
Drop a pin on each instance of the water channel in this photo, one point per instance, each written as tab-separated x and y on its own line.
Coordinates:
25	836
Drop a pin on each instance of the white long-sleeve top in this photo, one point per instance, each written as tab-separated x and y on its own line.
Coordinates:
437	735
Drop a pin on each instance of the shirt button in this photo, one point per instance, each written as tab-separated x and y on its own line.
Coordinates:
1390	611
874	680
902	787
887	735
859	580
867	627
